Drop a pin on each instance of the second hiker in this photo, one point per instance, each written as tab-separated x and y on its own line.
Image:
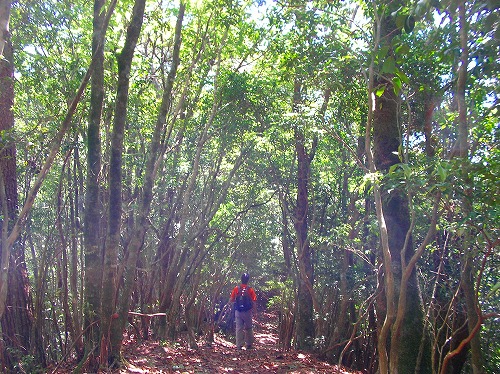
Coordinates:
244	298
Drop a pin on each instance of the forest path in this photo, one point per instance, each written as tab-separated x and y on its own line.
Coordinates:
223	357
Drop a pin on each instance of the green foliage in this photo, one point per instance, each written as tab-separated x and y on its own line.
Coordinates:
26	363
284	293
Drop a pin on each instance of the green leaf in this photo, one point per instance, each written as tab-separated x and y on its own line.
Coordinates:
441	173
402	49
409	24
494	289
404	78
400	20
380	90
382	52
406	170
389	65
397	84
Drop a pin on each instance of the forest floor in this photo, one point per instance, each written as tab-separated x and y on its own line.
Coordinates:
266	357
223	357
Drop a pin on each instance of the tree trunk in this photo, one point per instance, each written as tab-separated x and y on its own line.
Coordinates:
467	276
404	341
4	24
111	332
76	294
142	224
6	124
93	206
397	218
15	299
305	331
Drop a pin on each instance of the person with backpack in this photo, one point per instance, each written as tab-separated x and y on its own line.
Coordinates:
244	299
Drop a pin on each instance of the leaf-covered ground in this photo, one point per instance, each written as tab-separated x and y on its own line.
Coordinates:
223	357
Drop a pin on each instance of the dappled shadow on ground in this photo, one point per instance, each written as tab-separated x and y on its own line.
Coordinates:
223	357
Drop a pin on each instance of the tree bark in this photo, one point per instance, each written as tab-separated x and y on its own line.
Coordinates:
16	309
93	206
75	275
4	24
111	333
6	124
467	276
394	216
305	331
142	224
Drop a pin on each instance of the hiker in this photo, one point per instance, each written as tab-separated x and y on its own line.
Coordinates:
244	298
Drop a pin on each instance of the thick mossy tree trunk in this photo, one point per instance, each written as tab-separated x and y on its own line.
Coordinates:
387	142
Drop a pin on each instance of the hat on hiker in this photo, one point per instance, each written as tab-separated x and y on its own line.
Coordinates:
244	278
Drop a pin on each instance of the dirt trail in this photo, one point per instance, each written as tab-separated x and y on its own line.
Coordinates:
223	357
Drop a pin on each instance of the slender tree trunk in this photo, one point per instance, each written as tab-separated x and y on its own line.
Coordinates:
4	24
305	330
111	330
397	218
341	331
179	252
285	240
167	250
385	311
73	255
63	262
142	224
396	214
429	106
467	276
93	206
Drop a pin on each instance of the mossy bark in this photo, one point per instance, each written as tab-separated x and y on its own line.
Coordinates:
404	340
305	329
